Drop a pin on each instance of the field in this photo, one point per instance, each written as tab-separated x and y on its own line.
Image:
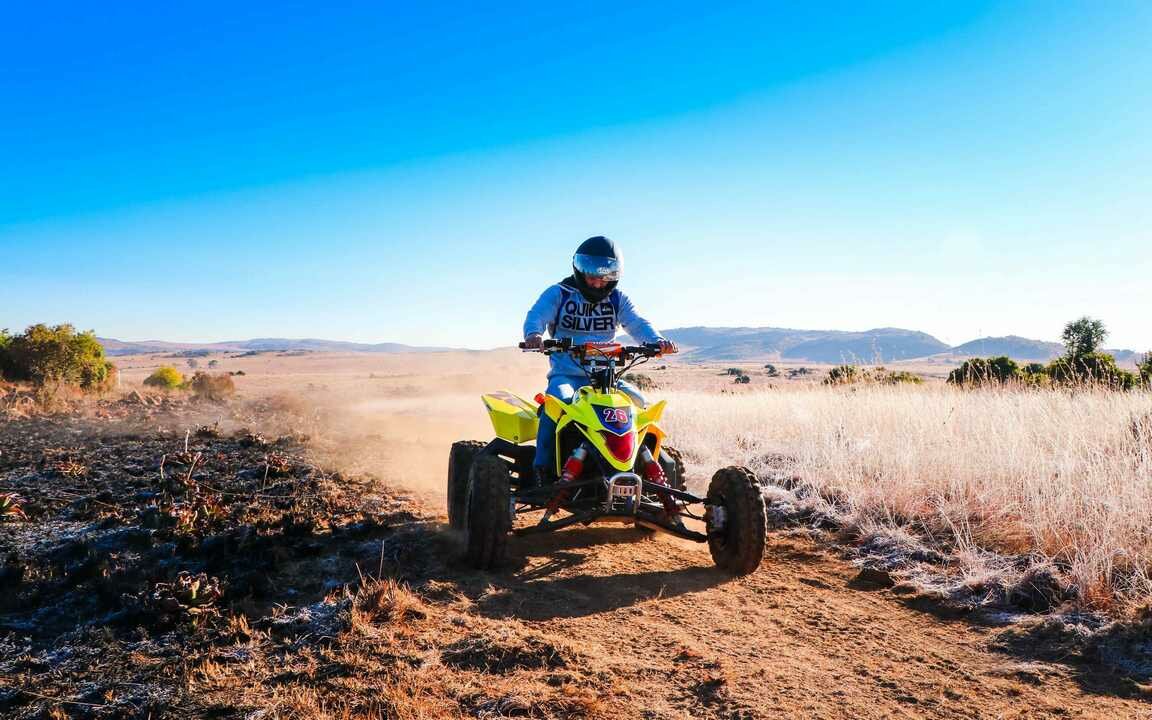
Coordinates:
1067	476
912	524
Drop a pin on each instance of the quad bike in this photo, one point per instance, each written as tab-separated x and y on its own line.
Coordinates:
611	466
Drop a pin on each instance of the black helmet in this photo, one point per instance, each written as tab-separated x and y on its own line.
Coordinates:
597	257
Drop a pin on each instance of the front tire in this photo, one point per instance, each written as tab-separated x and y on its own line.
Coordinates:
459	464
488	515
737	545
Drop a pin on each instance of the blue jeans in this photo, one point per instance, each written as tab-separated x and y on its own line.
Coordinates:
564	387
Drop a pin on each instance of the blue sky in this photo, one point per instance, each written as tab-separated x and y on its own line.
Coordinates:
377	172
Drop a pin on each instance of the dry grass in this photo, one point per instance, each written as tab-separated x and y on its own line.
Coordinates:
1067	476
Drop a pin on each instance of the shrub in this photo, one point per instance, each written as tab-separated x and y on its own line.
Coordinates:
980	371
894	377
734	371
849	374
796	372
1094	368
1036	375
842	375
216	388
165	377
742	380
771	371
57	354
192	363
641	381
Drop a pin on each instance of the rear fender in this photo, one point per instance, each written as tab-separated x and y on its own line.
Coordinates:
513	418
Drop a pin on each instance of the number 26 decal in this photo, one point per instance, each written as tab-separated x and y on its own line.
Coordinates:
615	415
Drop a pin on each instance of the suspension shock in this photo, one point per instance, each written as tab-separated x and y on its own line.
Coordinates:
573	467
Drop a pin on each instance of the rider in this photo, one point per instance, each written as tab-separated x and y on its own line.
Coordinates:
586	307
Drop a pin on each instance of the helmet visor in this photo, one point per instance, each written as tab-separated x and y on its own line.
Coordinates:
594	266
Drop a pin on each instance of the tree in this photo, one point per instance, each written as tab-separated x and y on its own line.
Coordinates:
213	363
5	342
1144	367
771	371
58	354
1084	336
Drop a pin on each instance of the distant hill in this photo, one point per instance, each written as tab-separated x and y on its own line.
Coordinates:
822	346
1014	346
120	347
700	344
1019	348
880	345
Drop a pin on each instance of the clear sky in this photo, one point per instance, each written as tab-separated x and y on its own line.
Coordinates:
385	172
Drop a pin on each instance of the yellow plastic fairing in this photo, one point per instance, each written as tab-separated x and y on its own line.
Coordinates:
651	415
513	417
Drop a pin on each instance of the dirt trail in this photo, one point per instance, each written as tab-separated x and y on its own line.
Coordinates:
344	597
797	639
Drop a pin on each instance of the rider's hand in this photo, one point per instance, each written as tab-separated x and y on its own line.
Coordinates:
535	341
667	347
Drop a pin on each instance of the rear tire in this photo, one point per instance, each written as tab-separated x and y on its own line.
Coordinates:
489	520
459	464
673	466
738	547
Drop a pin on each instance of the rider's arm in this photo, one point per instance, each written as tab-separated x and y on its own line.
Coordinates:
640	329
543	313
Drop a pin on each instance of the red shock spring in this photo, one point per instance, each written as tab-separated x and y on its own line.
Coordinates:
572	469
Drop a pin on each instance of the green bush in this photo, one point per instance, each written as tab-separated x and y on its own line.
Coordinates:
849	374
1036	375
1094	368
981	371
58	354
842	375
216	388
771	371
742	380
894	377
165	377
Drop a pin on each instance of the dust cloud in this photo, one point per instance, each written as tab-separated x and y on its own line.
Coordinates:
396	416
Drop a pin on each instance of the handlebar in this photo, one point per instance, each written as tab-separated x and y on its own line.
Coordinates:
565	345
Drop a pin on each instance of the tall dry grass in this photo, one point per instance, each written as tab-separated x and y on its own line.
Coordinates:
1064	475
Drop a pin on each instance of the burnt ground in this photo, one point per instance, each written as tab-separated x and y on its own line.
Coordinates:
164	568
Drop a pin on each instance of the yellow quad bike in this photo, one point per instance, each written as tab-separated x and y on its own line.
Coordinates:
611	466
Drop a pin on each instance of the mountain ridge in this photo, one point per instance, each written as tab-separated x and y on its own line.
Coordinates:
700	343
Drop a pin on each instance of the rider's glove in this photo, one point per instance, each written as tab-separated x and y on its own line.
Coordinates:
535	341
667	347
